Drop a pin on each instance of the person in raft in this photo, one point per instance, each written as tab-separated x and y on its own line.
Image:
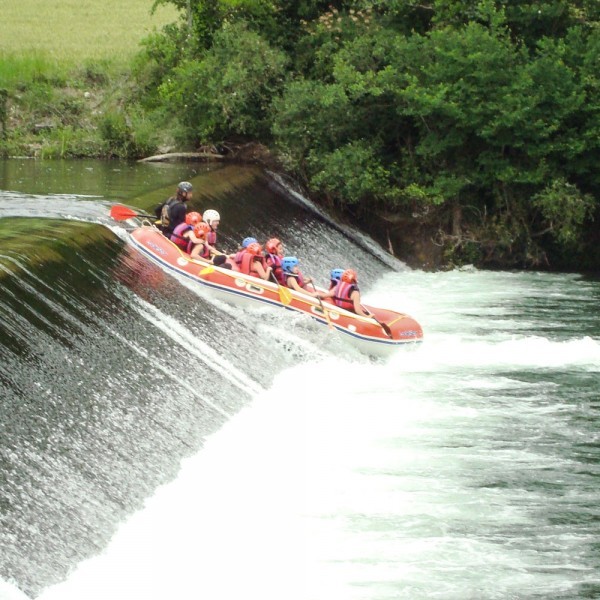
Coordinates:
237	257
253	262
334	277
183	235
201	248
212	218
274	256
346	294
293	276
172	212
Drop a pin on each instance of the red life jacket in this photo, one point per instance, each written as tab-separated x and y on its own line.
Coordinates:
238	257
299	278
205	251
177	237
211	237
247	263
274	260
342	294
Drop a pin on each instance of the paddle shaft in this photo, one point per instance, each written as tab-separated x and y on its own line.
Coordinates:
325	312
384	326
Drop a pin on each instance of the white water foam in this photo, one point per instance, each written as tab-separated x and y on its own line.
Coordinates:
428	476
356	491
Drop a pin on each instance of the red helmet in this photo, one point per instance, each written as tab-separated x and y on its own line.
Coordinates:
271	245
193	218
254	248
349	276
201	229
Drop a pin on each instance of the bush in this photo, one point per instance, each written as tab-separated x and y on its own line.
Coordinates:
128	135
229	92
115	132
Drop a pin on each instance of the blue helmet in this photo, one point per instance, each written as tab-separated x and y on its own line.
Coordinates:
336	274
288	263
247	241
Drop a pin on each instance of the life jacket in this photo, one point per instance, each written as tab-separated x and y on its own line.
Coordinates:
177	237
238	257
205	251
274	261
342	294
299	278
211	237
248	261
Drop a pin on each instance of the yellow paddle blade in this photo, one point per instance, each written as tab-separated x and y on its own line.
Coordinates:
207	271
285	295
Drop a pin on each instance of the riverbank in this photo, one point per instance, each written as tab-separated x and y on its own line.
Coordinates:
53	109
65	78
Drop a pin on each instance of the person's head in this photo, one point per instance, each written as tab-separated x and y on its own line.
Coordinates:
290	264
212	217
247	241
336	275
193	218
184	190
274	246
349	276
201	229
255	249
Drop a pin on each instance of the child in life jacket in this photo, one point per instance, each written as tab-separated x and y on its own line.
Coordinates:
183	235
202	248
212	218
237	257
274	256
253	262
346	294
293	276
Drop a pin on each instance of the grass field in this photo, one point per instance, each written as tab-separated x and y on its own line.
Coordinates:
78	30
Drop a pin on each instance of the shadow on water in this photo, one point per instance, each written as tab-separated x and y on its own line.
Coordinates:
111	371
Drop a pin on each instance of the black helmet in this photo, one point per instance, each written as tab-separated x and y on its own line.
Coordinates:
185	186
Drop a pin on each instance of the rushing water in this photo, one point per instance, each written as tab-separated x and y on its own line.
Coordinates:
158	444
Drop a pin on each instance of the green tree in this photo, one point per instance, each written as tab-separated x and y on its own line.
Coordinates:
228	92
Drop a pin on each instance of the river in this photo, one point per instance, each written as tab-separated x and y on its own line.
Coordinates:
159	444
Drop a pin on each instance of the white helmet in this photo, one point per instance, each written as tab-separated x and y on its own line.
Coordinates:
211	215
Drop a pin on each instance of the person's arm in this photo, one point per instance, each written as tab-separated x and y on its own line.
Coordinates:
197	250
358	309
328	294
192	236
213	251
292	283
295	285
260	270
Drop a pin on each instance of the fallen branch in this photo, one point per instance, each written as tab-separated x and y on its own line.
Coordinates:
176	156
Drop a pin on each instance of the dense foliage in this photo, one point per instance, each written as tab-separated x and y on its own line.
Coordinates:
480	118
